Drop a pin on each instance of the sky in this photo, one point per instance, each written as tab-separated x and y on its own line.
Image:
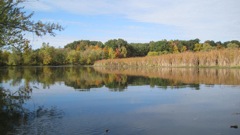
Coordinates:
137	20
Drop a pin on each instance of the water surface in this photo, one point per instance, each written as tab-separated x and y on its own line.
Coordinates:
87	101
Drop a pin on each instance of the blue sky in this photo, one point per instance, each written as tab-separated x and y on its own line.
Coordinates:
137	20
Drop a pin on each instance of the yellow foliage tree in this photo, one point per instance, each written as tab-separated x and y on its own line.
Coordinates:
124	51
197	47
183	49
72	57
111	53
175	49
46	53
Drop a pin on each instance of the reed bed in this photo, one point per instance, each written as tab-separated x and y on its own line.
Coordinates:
214	58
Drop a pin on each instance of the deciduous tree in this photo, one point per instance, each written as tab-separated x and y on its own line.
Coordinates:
14	22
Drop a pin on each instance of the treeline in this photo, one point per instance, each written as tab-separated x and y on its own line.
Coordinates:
85	52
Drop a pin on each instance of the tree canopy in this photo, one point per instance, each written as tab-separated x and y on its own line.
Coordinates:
15	23
86	52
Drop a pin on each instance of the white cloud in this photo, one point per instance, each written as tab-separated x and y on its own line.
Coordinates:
39	6
206	19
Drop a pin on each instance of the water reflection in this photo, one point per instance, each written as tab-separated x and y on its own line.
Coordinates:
17	119
83	78
209	76
27	108
11	110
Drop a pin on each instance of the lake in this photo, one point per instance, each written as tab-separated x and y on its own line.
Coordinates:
73	100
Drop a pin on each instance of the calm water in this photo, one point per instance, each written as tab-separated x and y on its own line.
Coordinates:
87	101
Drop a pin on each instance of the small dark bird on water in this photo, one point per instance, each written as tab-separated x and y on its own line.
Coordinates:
106	130
234	126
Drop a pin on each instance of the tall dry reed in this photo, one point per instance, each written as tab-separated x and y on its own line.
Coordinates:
215	58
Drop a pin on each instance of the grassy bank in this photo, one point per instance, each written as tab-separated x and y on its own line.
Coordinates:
215	58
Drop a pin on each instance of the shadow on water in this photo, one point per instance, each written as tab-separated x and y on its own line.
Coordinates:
16	119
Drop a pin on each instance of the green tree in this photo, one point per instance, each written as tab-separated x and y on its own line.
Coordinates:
59	56
206	47
124	51
14	58
90	55
73	57
232	45
46	52
197	47
159	46
183	49
28	57
137	49
1	58
175	49
83	58
81	45
190	44
203	47
211	42
14	23
4	57
111	53
105	52
152	54
116	43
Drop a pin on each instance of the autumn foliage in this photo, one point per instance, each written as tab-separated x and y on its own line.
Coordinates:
163	53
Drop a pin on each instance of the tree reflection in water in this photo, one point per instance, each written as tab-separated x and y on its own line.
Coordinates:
16	119
85	78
